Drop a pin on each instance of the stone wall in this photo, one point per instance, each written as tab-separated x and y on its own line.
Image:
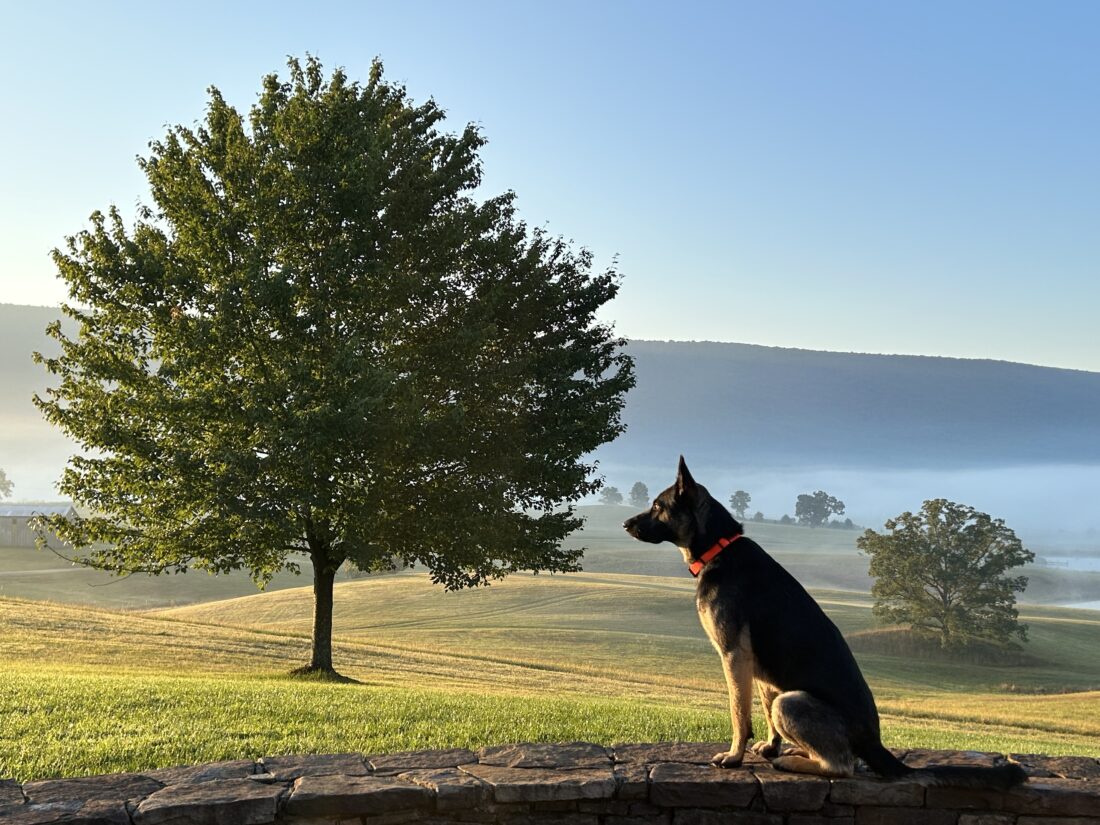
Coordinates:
569	784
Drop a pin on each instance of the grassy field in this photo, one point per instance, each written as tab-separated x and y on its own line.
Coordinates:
604	655
72	722
589	656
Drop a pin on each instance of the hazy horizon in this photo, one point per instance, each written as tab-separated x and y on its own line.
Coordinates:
777	422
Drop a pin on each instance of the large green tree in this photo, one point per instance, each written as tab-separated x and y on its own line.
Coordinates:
316	343
943	571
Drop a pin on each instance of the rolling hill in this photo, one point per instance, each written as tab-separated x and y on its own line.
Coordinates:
738	405
881	431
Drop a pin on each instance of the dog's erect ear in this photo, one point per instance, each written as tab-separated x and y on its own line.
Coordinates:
685	484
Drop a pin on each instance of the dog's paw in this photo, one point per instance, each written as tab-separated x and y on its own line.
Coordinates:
728	759
766	748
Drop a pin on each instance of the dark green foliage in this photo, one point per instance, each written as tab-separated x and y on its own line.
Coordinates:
739	503
639	495
758	516
611	495
814	510
942	570
316	341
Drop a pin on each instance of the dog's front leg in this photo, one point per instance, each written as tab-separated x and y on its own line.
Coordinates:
738	669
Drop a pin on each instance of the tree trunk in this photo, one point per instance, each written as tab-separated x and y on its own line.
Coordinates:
323	578
324	574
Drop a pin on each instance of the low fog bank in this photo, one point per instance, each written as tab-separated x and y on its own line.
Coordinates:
1052	508
33	455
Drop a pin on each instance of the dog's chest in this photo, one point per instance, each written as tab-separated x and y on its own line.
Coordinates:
726	635
710	627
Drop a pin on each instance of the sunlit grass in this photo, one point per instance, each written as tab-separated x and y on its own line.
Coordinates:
598	657
67	722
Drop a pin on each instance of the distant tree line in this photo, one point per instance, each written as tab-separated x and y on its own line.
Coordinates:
811	509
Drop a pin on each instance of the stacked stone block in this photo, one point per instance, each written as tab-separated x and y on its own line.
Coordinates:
538	784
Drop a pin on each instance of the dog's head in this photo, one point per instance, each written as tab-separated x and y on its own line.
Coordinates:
679	514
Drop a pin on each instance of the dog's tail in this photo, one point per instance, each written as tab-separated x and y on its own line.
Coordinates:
998	777
884	763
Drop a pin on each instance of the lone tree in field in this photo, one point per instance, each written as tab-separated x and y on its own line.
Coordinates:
611	495
5	485
814	510
639	495
942	570
739	503
317	342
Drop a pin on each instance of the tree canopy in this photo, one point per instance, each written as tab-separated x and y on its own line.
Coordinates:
739	503
315	342
611	495
814	510
639	495
943	571
5	484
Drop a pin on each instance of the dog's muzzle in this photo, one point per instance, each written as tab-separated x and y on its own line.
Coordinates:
643	528
631	526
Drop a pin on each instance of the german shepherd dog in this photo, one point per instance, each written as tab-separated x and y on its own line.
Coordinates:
768	629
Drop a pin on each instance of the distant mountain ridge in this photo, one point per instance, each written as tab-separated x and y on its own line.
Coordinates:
744	404
731	406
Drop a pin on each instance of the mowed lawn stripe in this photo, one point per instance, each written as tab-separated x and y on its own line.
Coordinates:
35	632
627	627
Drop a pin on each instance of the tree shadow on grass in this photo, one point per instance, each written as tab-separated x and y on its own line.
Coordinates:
322	674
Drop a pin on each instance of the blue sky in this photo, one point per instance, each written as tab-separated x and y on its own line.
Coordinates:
914	177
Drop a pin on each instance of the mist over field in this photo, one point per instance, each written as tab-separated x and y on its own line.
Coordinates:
882	433
1045	504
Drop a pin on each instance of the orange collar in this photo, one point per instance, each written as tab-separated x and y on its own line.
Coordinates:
696	567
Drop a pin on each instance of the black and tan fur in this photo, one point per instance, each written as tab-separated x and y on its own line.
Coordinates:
769	631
